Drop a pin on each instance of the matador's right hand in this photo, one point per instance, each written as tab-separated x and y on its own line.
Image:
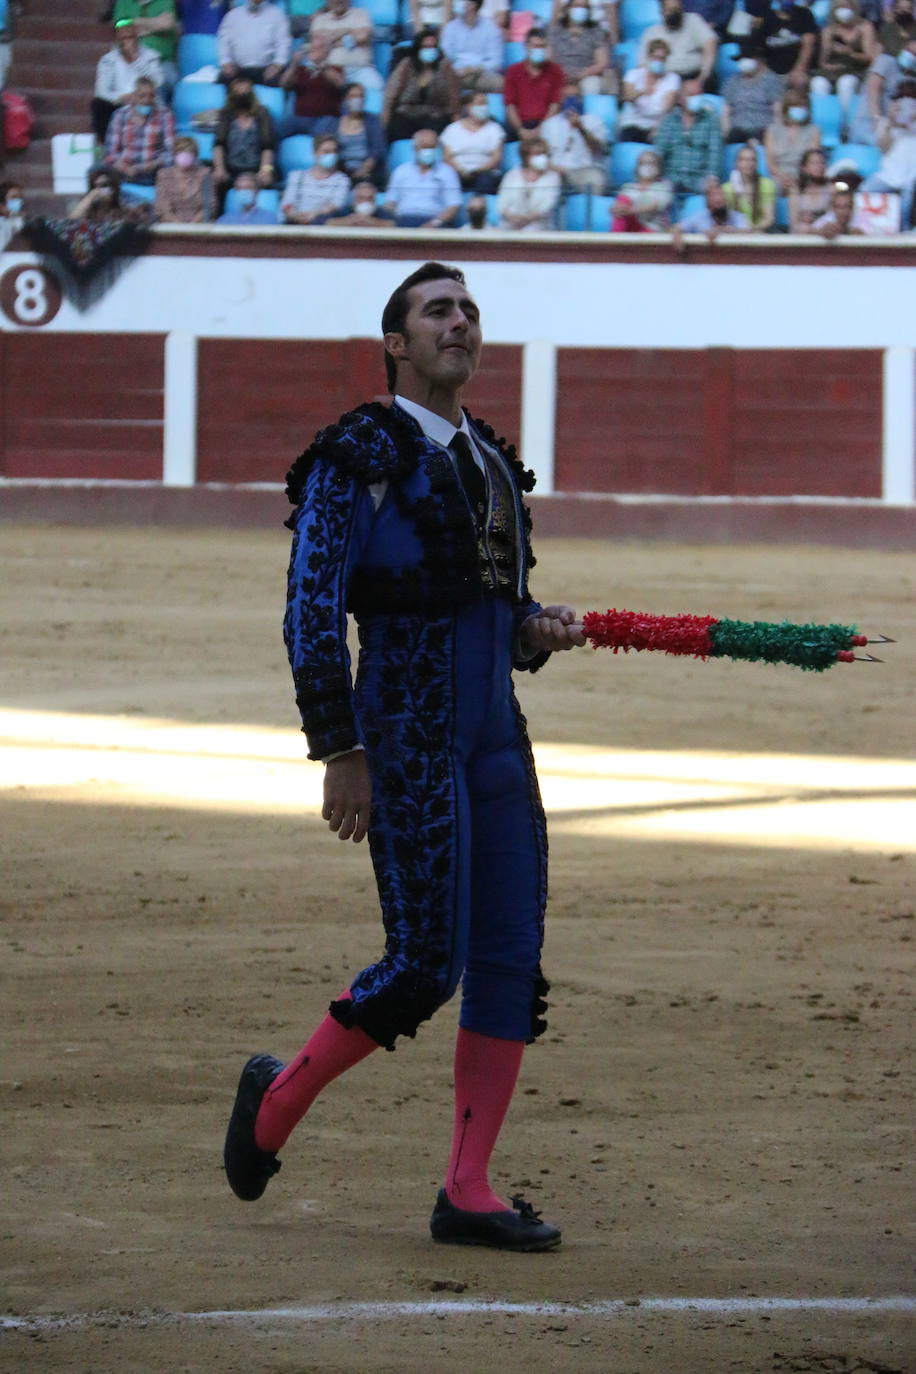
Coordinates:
348	795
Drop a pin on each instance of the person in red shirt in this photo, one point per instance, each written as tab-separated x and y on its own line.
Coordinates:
533	89
318	89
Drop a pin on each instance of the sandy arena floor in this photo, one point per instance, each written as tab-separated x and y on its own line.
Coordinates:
720	1109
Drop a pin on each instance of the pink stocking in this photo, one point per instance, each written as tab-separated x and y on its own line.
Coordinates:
486	1070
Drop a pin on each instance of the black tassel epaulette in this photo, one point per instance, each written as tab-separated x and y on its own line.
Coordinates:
367	444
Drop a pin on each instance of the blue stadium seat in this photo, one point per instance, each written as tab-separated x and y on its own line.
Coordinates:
295	152
601	214
731	154
273	99
492	210
515	52
727	61
827	114
381	56
863	155
266	200
134	190
624	157
626	55
497	106
821	11
636	15
575	211
205	146
382	12
541	9
373	100
690	207
196	50
782	213
193	97
399	151
512	156
605	106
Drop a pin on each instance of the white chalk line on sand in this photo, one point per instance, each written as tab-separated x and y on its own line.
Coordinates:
470	1307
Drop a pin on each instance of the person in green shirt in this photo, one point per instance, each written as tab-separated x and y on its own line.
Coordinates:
156	23
749	193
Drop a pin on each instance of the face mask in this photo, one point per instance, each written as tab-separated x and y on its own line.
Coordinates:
458	7
674	21
798	114
429	54
245	103
657	67
648	171
845	16
246	197
573	104
747	65
538	56
426	157
144	110
104	192
538	161
906	60
14	205
184	159
364	207
578	14
904	114
356	105
327	160
694	103
481	113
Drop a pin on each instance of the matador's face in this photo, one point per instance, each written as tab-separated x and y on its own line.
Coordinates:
442	339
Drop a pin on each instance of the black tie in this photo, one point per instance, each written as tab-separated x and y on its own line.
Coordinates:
470	475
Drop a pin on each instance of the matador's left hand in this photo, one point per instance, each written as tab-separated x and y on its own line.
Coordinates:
553	628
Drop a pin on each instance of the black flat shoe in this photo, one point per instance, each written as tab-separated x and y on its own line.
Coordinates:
249	1169
520	1229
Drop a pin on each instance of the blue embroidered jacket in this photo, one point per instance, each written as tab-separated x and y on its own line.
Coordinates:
421	552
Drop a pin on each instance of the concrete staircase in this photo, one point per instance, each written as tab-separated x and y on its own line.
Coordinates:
56	46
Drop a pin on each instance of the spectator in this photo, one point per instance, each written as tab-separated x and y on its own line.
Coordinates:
473	146
422	92
811	198
882	85
717	13
532	89
847	50
690	140
752	195
580	47
476	216
895	29
201	16
250	212
644	205
141	136
244	140
788	36
184	191
313	194
473	45
529	194
156	25
750	97
348	30
650	92
254	41
364	213
839	219
360	139
12	203
430	14
102	199
896	136
604	15
117	74
424	193
577	144
714	218
691	42
317	87
788	138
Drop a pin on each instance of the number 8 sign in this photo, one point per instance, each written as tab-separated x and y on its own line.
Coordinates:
29	296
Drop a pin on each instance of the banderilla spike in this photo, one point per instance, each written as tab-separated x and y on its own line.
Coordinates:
867	658
881	639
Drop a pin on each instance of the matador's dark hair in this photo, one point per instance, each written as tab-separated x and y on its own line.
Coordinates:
394	315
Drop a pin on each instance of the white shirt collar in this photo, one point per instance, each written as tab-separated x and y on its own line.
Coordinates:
441	431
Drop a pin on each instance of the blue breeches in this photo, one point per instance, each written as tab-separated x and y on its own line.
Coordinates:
457	833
